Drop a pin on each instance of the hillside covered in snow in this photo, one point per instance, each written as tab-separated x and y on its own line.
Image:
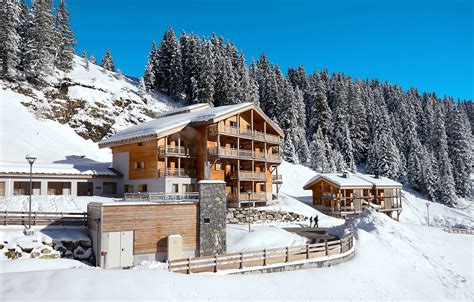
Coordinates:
93	101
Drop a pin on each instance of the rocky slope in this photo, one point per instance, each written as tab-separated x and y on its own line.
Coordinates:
91	100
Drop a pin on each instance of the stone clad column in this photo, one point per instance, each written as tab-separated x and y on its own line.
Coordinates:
212	206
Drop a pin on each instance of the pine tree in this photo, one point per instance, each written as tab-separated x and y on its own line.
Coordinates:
149	75
40	50
64	39
446	192
168	68
319	114
107	62
319	153
23	32
142	89
357	122
207	74
93	59
9	39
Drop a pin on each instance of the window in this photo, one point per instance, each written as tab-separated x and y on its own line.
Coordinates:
207	220
139	144
233	124
128	188
218	166
142	188
140	165
175	188
2	188
23	188
59	188
110	188
84	189
188	188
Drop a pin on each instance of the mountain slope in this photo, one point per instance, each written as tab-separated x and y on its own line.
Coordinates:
91	100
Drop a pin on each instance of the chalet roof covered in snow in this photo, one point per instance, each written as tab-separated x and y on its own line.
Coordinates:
353	181
175	120
97	169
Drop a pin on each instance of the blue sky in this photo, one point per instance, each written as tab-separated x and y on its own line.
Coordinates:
423	44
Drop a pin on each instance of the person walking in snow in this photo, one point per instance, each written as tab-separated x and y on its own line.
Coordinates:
310	221
316	221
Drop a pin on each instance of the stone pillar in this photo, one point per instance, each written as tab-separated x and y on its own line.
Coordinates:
212	206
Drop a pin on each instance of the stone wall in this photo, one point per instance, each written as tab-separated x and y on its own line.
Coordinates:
212	220
237	216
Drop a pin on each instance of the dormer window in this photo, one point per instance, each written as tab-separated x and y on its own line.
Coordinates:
140	165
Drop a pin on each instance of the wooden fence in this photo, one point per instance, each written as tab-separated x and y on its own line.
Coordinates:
262	257
43	218
459	231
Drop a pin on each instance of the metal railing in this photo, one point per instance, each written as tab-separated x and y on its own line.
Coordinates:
182	172
162	197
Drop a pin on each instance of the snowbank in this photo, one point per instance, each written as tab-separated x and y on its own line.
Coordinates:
50	203
32	265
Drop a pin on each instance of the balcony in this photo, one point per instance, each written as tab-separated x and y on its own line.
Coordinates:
277	179
245	197
234	130
181	151
182	172
244	175
274	158
229	152
248	133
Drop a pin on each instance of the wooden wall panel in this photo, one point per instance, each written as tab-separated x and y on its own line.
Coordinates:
147	153
153	223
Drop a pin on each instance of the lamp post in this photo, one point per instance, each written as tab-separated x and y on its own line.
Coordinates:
428	211
248	206
30	159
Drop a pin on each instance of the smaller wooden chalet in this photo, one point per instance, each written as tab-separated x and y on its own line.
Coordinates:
346	194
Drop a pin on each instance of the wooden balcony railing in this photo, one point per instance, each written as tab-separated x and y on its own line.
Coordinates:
274	157
277	178
177	151
229	152
258	135
177	172
255	196
250	175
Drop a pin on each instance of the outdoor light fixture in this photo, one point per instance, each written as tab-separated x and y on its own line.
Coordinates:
248	205
31	160
428	211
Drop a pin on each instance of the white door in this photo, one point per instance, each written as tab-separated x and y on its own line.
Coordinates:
126	253
112	258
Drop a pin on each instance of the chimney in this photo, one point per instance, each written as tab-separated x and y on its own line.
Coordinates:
345	174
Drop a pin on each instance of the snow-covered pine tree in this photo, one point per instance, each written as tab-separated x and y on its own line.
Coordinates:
23	31
93	59
167	65
118	74
318	151
207	74
149	74
9	39
428	176
319	114
446	192
289	152
459	146
357	122
341	139
40	49
64	39
84	54
142	89
266	79
107	62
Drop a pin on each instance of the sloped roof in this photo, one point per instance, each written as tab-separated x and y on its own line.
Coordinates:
174	121
357	180
98	169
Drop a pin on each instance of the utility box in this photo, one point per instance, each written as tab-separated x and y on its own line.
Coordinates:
127	233
175	247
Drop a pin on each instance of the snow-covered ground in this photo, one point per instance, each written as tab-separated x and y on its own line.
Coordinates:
50	203
394	260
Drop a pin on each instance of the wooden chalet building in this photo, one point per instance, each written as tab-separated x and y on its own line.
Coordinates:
237	144
346	194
